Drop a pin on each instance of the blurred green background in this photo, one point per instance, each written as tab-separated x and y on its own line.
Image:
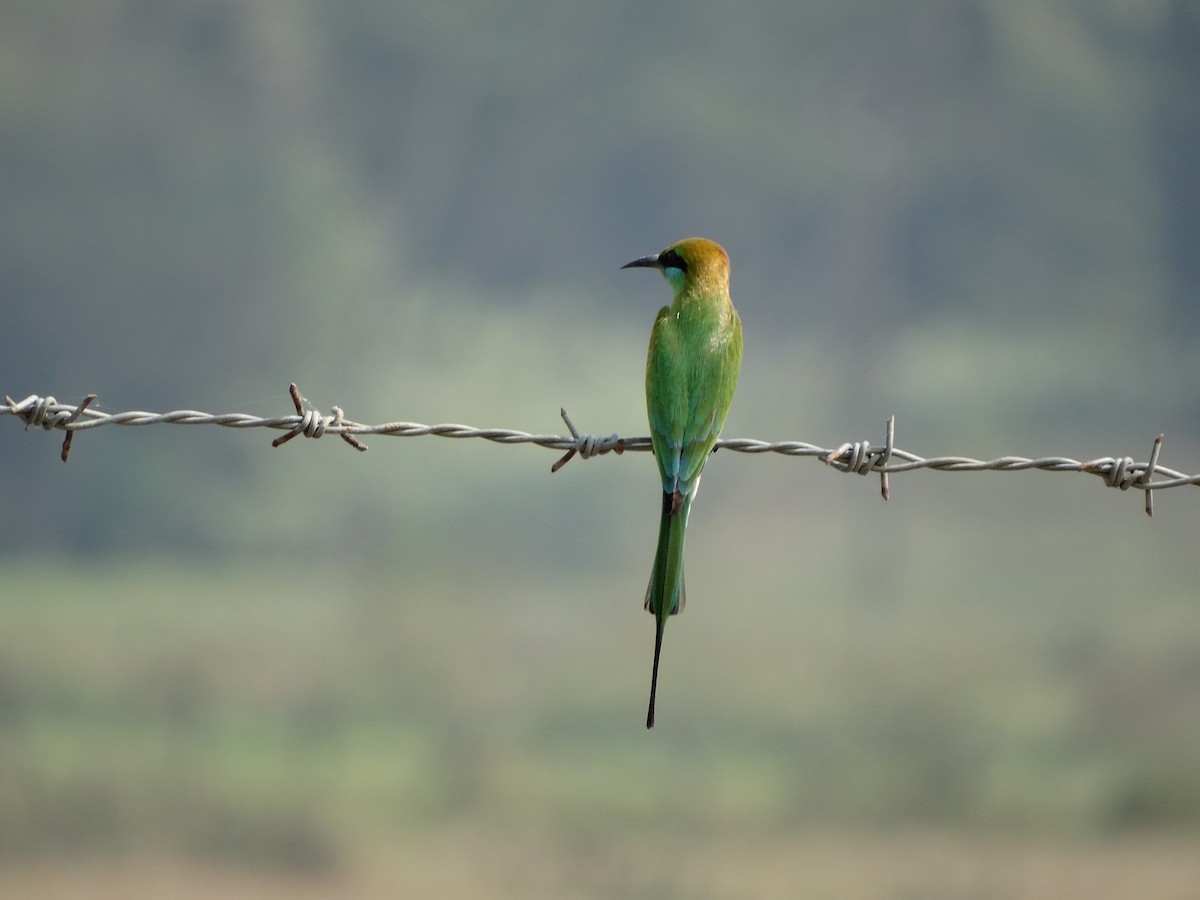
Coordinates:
421	671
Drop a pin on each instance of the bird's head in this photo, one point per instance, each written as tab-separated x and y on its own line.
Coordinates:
693	262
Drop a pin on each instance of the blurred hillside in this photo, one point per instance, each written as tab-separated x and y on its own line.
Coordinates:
988	209
420	671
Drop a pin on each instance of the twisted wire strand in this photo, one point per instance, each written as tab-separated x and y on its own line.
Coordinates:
857	457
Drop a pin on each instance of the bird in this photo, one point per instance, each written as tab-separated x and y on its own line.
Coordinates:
692	370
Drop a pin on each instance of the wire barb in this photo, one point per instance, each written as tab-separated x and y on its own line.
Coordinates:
861	459
69	420
858	457
1145	478
49	413
1124	473
885	490
587	445
313	425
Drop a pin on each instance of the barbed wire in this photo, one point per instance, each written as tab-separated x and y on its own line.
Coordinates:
857	457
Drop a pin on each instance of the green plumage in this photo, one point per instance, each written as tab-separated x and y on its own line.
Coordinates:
691	373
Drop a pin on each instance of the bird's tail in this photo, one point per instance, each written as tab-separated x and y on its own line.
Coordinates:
665	596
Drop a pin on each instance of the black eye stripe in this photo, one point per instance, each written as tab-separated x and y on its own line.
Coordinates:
671	259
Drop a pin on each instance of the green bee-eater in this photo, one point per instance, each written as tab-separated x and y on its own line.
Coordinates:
691	373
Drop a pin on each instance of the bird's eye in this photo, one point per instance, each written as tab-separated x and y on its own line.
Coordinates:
670	259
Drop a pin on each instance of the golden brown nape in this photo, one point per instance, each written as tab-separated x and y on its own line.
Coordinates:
705	259
695	262
702	253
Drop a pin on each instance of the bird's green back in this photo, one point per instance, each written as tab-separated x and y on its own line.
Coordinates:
692	371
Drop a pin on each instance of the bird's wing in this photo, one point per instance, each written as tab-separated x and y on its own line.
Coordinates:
666	403
688	392
711	384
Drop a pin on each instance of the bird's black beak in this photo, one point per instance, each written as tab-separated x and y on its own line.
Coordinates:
644	262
